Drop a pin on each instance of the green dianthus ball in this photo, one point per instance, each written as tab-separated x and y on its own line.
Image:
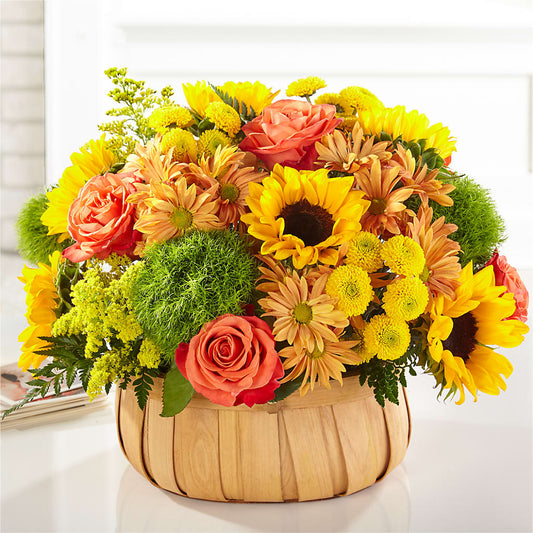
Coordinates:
190	281
34	243
480	227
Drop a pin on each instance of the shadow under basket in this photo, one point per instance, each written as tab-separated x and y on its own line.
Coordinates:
325	444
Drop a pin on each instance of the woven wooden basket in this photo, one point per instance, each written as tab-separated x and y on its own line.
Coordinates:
328	443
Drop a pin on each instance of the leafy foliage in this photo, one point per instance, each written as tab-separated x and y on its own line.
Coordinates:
143	385
177	393
286	389
188	282
34	243
66	362
135	100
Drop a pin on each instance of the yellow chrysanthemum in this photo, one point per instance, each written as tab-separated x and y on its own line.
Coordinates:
331	99
304	215
305	86
386	337
183	144
41	300
254	95
224	117
357	99
352	287
348	121
405	298
403	256
364	251
358	335
93	159
411	126
170	116
210	140
463	329
321	364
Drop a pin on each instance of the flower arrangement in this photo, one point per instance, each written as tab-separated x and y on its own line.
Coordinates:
246	247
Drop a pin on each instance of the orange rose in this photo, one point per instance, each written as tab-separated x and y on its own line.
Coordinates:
100	220
232	361
508	276
286	133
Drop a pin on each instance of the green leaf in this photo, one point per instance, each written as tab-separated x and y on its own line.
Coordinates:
177	393
286	389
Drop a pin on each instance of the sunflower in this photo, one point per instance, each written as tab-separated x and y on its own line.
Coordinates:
304	215
42	300
93	159
254	95
151	164
410	126
464	327
321	364
386	199
303	315
441	268
348	153
167	210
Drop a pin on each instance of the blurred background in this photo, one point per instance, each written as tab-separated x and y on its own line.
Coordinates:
467	64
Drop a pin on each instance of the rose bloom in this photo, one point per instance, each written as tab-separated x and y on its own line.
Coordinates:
100	220
232	361
508	276
286	133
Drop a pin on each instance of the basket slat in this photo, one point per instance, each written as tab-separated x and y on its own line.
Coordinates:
328	443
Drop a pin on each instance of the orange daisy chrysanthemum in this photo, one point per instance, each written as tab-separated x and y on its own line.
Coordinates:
349	153
151	164
421	180
442	269
227	179
386	202
319	364
304	315
168	210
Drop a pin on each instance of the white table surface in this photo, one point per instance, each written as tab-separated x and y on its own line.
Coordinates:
468	468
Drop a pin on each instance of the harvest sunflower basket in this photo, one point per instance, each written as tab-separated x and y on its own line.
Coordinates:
259	276
325	444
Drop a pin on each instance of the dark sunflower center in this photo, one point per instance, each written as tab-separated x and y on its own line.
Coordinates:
462	339
311	223
377	206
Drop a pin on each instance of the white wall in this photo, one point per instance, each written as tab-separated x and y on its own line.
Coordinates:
22	157
468	66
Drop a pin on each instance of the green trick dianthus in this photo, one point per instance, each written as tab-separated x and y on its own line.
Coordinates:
188	282
34	243
480	228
